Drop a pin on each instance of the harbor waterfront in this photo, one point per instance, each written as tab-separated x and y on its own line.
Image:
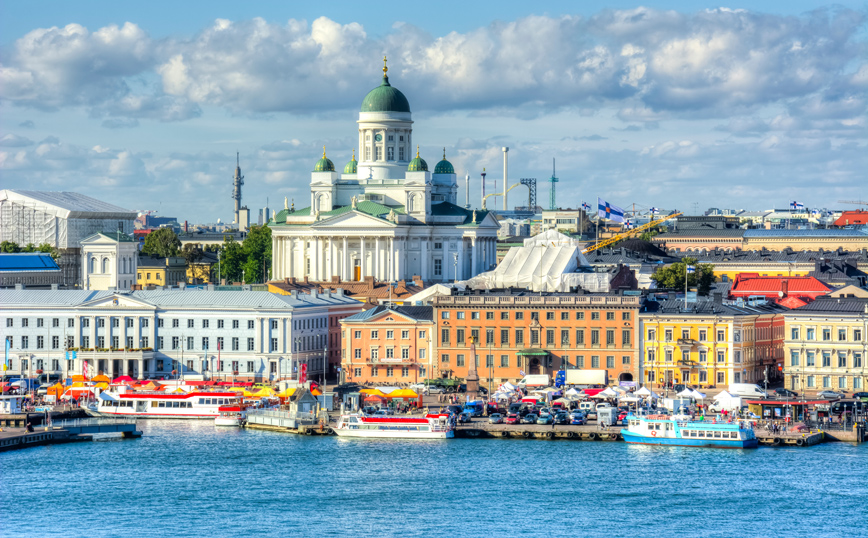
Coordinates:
193	479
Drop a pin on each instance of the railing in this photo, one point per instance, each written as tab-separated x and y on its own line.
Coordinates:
537	300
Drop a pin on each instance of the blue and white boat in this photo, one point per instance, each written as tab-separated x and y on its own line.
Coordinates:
679	431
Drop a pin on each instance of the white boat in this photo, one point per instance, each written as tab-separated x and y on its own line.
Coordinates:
431	426
678	430
231	415
158	405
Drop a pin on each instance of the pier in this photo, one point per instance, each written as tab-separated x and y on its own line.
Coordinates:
69	431
286	421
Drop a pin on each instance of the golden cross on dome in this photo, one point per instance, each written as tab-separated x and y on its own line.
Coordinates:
385	67
323	152
417	152
354	154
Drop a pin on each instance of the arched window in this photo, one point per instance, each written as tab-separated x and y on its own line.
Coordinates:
92	265
105	265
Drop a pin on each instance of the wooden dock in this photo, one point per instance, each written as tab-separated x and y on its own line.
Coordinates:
71	431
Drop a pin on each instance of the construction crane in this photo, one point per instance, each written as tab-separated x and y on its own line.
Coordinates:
552	200
628	233
855	202
487	196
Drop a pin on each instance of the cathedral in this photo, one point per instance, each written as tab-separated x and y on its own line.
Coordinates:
387	215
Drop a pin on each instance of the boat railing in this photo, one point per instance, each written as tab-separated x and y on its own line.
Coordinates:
279	413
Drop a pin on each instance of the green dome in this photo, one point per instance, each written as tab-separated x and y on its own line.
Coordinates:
325	164
385	98
444	166
418	164
352	167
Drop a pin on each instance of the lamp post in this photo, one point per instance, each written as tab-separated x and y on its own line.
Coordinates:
295	360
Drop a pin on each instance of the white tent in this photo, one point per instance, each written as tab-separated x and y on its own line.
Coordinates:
507	387
646	393
552	238
686	393
629	399
573	393
724	395
619	389
609	393
698	395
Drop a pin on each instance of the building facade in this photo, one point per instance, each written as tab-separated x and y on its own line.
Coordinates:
30	270
153	271
386	216
523	333
207	334
826	345
109	261
710	343
388	345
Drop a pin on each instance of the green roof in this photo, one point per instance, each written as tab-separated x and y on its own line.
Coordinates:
533	352
324	165
447	209
352	167
370	208
385	98
120	237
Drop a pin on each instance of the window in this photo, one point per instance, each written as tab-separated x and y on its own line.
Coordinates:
794	333
652	355
595	337
489	315
625	316
580	361
489	361
721	356
176	323
375	335
721	378
273	324
459	360
459	315
504	337
40	342
534	336
459	336
489	337
595	316
250	324
236	344
685	334
390	335
842	360
565	337
100	342
550	316
580	337
809	358
794	358
595	361
219	323
235	323
174	342
405	335
737	356
810	381
610	337
610	361
422	353
444	337
842	382
519	337
550	337
580	315
721	336
474	315
70	341
504	361
405	352
100	322
504	315
652	334
39	322
204	343
703	335
857	335
534	315
625	359
667	335
625	337
190	343
519	316
357	372
857	361
69	322
842	335
827	382
375	353
444	315
610	316
827	359
444	358
809	334
390	353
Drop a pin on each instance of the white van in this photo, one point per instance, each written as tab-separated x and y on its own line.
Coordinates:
534	381
747	390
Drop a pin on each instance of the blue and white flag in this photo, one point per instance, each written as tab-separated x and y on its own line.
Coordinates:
815	212
796	205
585	206
691	269
654	210
628	224
607	211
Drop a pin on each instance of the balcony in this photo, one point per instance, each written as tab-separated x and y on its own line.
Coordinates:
687	342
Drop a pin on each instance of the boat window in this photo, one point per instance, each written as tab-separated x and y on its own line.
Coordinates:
201	401
733	435
717	435
176	404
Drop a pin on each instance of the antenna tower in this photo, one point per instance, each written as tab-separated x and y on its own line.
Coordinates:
552	202
237	182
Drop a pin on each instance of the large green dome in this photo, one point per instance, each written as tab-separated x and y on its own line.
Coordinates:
352	167
325	164
444	166
385	98
418	164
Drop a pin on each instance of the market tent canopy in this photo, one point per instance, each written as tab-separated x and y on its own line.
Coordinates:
152	385
264	392
573	393
629	399
686	393
101	379
608	393
373	392
645	392
375	398
55	390
724	395
286	393
123	379
698	395
403	393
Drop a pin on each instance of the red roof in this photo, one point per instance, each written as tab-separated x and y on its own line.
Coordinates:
791	302
852	217
180	396
803	287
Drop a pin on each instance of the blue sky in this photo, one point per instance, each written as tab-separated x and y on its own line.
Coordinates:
671	104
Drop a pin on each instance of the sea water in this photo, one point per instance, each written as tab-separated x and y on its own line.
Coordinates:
188	478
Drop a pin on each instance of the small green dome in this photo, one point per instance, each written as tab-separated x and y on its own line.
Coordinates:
352	167
418	164
385	98
444	166
325	164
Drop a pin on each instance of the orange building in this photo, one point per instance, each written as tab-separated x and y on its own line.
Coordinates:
522	333
387	346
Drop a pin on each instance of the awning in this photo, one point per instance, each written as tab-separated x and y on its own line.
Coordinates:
403	393
539	352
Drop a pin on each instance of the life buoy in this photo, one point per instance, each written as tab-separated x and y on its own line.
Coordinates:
526	434
653	433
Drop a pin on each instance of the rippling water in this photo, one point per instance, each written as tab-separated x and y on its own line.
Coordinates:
186	478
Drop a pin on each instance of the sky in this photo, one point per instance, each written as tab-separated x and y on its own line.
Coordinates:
677	105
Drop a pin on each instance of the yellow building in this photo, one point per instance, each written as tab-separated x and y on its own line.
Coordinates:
826	345
161	271
200	271
710	344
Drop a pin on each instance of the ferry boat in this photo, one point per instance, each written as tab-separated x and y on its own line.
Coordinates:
431	426
156	405
231	415
678	431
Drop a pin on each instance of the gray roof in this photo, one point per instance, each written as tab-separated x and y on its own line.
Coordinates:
70	201
189	298
854	305
706	305
804	233
798	256
701	232
421	313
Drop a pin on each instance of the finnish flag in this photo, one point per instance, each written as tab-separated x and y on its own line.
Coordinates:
691	269
607	211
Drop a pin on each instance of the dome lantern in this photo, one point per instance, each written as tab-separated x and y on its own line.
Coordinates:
324	164
444	166
352	167
418	164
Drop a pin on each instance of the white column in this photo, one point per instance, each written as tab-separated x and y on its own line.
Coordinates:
345	260
398	253
376	259
289	270
390	264
330	263
140	364
474	260
423	248
460	258
363	272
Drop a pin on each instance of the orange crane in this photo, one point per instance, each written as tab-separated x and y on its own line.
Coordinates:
628	233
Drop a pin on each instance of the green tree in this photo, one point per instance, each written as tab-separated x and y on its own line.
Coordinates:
647	235
672	277
232	260
9	247
257	249
163	243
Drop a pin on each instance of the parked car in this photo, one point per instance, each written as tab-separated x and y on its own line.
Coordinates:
830	395
454	409
544	419
383	413
861	396
562	418
496	418
591	415
434	389
529	418
464	417
622	415
577	419
513	418
785	393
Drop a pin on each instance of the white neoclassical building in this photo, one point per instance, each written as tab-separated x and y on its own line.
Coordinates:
109	261
386	216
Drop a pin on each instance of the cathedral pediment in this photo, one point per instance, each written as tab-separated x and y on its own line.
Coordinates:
353	219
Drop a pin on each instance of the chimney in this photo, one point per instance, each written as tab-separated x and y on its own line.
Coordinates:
785	287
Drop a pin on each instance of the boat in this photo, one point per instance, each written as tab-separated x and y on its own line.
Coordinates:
680	431
430	426
231	415
158	405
